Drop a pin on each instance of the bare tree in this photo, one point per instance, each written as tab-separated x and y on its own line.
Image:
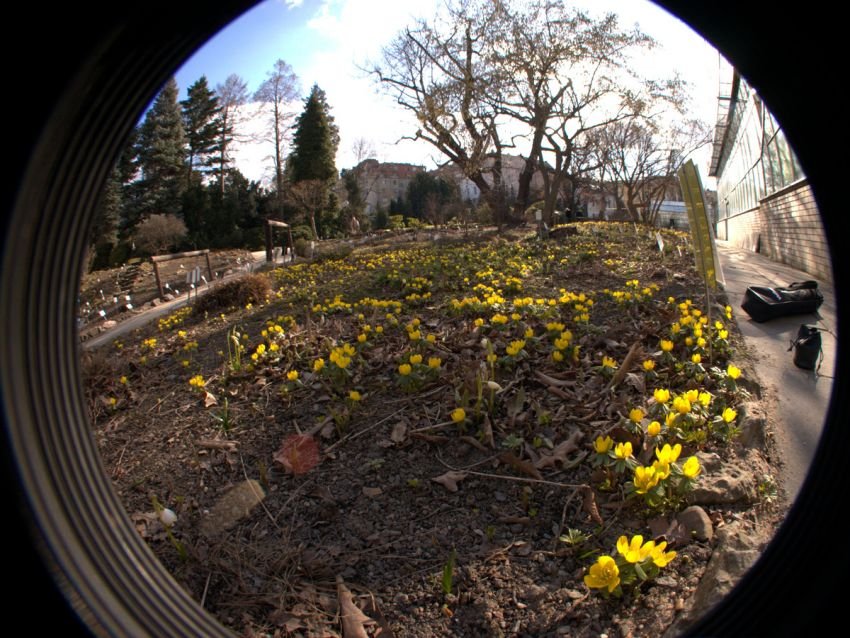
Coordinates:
440	71
362	149
277	93
159	232
232	96
641	159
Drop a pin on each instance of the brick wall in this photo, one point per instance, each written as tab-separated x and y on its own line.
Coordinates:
786	227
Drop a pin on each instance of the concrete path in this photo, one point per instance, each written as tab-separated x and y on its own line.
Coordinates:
797	399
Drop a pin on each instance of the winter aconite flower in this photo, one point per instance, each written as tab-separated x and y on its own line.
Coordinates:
667	454
354	395
604	574
292	375
623	450
636	415
458	415
660	557
634	551
691	468
603	445
404	369
608	362
666	345
661	395
729	415
649	365
318	364
681	405
733	372
645	479
653	429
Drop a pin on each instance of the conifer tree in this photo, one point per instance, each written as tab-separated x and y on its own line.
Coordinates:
162	155
202	123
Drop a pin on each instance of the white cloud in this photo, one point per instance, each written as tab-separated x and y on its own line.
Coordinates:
293	4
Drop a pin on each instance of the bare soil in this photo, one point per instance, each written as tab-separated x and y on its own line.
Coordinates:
358	510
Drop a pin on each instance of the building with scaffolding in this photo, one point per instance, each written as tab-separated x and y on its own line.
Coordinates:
764	201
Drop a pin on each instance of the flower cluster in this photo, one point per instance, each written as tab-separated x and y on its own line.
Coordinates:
636	562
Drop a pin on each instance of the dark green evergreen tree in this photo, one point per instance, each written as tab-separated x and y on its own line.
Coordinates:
425	193
202	123
315	141
312	163
162	156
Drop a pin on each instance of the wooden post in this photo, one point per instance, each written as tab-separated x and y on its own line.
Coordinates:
158	282
268	241
209	266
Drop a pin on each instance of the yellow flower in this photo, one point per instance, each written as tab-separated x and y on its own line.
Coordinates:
434	362
729	415
692	395
644	479
361	338
649	365
704	398
653	429
660	557
197	381
416	359
379	329
661	395
667	454
123	380
604	574
666	345
318	364
354	395
292	375
696	358
529	333
414	335
662	470
723	334
681	405
557	356
634	551
733	371
608	362
492	357
404	369
636	415
603	445
623	450
670	419
478	322
458	415
691	467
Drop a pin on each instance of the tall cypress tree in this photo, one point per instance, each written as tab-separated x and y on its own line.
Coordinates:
202	123
162	155
315	141
312	164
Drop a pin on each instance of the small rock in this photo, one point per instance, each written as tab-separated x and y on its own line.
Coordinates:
109	323
499	496
372	492
697	523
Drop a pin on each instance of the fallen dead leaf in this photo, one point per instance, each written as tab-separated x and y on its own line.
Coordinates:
210	400
487	432
588	503
352	619
399	433
372	492
450	479
560	452
525	467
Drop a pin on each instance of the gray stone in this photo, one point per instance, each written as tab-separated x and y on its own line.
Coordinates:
696	522
735	553
751	416
733	482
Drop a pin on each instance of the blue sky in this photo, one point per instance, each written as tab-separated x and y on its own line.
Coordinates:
325	41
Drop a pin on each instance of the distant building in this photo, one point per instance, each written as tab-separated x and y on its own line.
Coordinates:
764	201
381	183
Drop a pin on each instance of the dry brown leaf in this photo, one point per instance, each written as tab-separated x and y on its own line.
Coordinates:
548	380
350	615
474	443
450	479
399	433
525	467
560	452
588	503
372	492
487	432
210	400
620	374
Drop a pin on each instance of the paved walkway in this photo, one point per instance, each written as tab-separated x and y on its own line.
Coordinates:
797	399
